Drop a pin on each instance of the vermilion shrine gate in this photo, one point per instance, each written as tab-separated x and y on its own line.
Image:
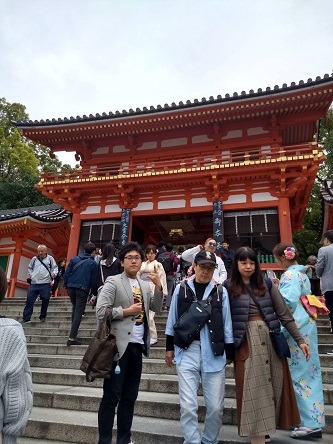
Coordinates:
239	168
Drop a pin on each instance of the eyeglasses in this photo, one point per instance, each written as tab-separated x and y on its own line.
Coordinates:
212	244
133	258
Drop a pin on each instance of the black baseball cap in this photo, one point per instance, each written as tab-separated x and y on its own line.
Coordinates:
205	257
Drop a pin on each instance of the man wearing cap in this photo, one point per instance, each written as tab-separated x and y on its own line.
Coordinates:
206	357
220	273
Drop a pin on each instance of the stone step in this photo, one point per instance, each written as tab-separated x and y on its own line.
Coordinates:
149	382
155	351
59	340
13	311
25	440
81	428
323	339
149	404
150	365
41	328
14	302
60	324
89	328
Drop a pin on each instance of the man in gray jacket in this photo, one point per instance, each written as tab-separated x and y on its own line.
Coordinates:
131	298
41	271
324	270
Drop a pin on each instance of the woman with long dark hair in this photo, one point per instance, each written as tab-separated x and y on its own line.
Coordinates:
264	392
59	279
306	375
108	265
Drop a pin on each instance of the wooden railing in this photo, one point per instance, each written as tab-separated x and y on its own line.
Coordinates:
227	157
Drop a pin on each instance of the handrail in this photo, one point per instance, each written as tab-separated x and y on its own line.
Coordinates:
226	156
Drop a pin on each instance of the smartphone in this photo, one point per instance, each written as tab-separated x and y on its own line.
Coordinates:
270	274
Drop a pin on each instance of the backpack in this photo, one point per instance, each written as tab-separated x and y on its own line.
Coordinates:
165	260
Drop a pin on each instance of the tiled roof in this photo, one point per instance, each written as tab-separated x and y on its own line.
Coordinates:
181	105
44	213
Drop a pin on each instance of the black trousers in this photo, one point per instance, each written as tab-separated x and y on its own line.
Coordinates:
120	390
78	299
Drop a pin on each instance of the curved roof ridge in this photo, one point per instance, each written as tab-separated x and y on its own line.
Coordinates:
181	105
46	213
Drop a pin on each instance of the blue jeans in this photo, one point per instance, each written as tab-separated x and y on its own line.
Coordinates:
35	290
189	374
122	390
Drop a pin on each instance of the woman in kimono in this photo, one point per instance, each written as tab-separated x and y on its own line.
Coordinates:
148	267
306	375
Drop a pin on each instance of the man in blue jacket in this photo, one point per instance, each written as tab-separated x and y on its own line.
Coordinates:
206	357
79	279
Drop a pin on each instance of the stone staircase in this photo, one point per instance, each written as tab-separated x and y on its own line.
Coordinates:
65	405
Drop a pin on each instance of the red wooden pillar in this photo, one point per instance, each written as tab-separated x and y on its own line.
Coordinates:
15	266
284	220
74	236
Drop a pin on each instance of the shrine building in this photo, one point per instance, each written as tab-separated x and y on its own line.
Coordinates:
239	167
21	231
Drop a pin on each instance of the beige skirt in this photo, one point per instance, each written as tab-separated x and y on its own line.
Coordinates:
260	391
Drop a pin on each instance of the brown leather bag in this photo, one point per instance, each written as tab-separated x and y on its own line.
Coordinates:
98	359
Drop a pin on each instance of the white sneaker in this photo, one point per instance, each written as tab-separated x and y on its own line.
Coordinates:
152	342
330	352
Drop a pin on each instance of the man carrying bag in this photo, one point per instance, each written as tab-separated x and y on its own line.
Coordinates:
131	299
203	357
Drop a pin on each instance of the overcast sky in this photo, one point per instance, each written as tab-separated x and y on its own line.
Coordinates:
63	58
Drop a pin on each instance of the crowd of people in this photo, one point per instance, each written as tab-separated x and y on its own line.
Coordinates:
244	308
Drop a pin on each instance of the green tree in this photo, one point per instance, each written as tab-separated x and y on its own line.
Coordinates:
21	161
308	239
326	137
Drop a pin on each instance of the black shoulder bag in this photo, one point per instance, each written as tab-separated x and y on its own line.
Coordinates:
40	260
98	359
279	342
192	321
80	262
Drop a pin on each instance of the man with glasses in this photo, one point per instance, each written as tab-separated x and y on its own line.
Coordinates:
131	299
220	273
206	357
